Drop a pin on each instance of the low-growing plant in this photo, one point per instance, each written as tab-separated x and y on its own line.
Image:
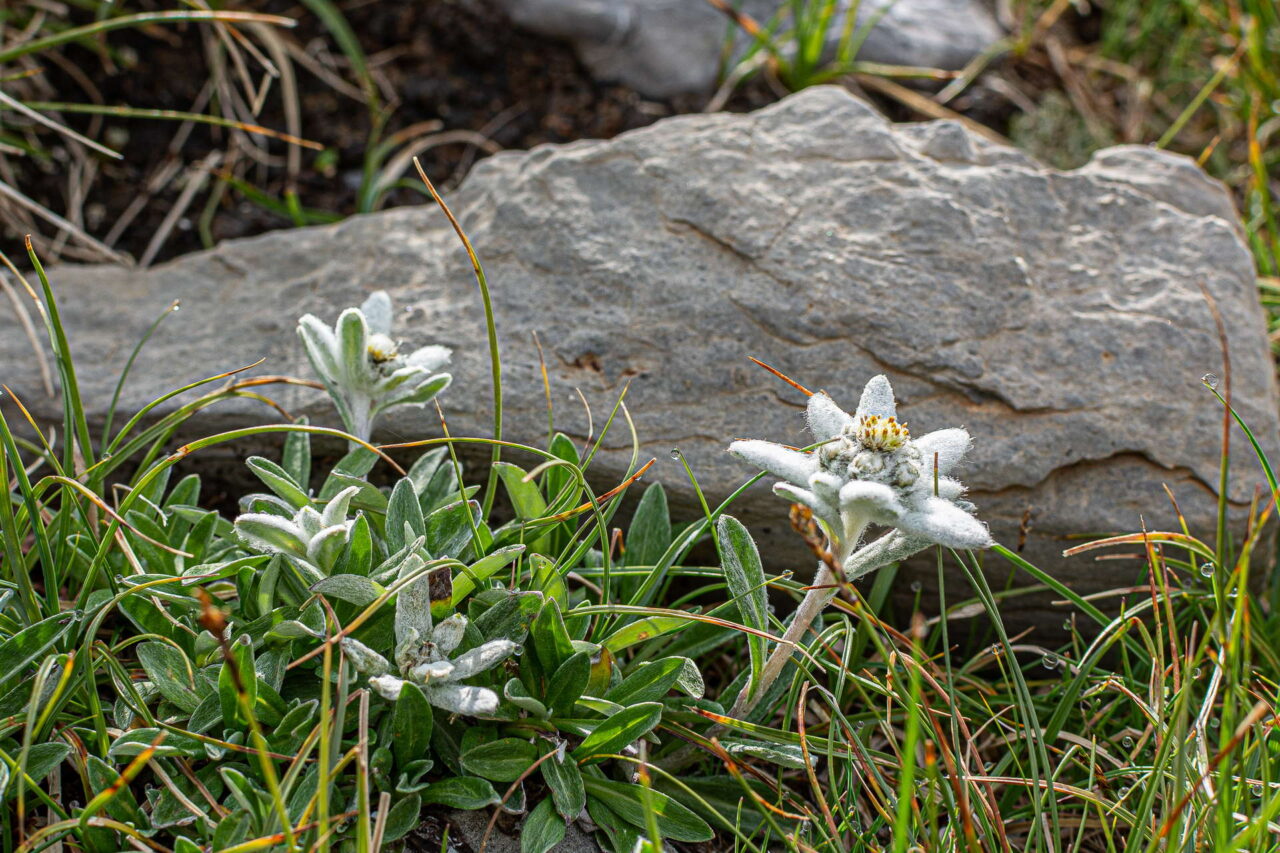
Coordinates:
364	642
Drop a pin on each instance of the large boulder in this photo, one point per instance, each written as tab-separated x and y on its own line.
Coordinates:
664	48
1061	317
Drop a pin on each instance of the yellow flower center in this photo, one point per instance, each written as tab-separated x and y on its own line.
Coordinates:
382	348
883	434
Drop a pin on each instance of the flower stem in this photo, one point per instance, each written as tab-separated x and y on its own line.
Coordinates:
810	606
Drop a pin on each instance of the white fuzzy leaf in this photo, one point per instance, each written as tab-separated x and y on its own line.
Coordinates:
877	399
826	419
473	701
950	445
791	465
481	658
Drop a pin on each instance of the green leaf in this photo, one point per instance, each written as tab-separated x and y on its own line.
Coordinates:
134	741
402	817
510	618
448	529
674	820
542	829
502	760
42	758
690	679
650	533
424	469
550	639
613	734
357	463
411	724
296	459
232	830
548	580
649	683
171	673
278	481
356	589
525	497
265	533
561	484
565	781
745	575
786	755
623	837
641	630
568	683
357	557
239	664
209	572
460	792
247	794
123	806
25	647
479	571
403	511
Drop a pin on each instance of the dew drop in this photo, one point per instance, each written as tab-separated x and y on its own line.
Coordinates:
1126	742
1210	379
1256	790
177	307
1206	570
1050	661
1195	673
675	453
916	586
1215	722
1066	624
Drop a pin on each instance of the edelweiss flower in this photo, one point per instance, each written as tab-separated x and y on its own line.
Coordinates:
362	367
869	470
423	657
311	540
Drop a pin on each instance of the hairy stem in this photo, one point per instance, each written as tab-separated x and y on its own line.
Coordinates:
810	606
813	603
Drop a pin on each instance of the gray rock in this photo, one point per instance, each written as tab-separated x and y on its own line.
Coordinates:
664	48
1058	315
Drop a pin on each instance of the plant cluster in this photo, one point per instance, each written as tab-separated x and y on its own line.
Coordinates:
365	642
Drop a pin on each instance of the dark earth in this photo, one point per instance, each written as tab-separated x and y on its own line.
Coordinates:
454	63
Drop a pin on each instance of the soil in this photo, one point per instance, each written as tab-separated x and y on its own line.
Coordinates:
454	63
439	67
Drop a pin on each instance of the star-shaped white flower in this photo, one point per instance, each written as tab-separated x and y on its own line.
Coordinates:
868	470
362	367
311	540
423	657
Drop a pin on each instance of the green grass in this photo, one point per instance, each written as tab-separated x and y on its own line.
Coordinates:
1151	728
1199	78
129	718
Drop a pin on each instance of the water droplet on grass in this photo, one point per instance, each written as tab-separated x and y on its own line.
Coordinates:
1126	742
675	453
1050	661
1206	570
916	586
1210	379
